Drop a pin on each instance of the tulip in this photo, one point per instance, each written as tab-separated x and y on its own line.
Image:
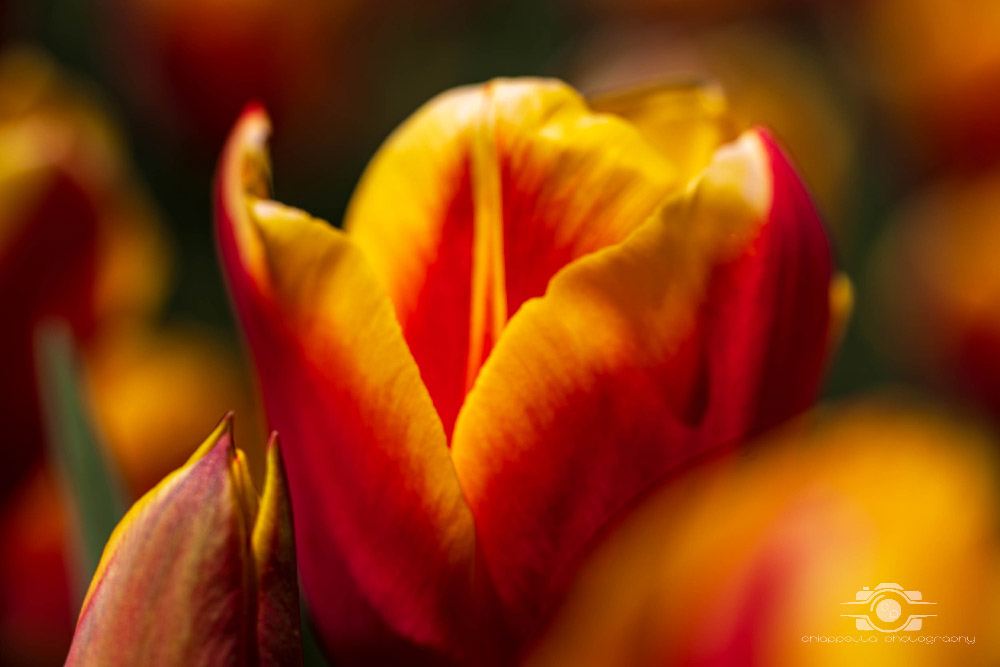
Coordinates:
535	311
201	571
749	562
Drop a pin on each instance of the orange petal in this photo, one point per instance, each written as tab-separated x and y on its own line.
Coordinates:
706	324
480	198
171	587
385	539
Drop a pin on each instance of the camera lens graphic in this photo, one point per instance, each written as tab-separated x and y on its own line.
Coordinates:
888	610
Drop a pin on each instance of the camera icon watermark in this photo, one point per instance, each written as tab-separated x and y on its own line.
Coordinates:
889	608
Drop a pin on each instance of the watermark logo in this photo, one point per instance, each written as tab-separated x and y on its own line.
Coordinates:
889	608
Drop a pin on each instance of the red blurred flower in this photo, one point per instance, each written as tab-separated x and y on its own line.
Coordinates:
538	309
189	66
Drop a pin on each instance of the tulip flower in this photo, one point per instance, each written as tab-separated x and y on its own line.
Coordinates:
201	571
535	311
750	562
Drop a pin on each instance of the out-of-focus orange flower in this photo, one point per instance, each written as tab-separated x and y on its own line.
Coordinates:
750	562
938	286
201	571
936	66
536	310
770	77
76	239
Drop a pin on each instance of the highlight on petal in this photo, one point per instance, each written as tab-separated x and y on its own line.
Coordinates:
709	323
385	540
176	583
749	561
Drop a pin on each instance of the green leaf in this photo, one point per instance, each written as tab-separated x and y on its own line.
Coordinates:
90	482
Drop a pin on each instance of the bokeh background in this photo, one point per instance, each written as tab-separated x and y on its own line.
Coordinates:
889	107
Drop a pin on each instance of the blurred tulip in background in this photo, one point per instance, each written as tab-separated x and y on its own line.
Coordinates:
935	66
938	277
749	561
79	242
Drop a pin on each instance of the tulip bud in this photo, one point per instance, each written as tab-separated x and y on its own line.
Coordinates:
201	571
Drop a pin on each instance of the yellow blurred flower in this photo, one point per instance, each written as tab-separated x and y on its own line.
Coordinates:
750	561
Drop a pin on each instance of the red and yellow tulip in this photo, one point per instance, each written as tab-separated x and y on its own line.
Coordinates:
201	571
538	308
748	562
